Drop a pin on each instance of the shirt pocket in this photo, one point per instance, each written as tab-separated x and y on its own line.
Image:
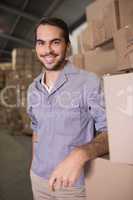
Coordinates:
67	121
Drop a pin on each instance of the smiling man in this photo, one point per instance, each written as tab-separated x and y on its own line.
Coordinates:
68	118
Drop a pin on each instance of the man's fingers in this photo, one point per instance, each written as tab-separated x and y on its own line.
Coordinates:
52	181
70	183
65	183
58	184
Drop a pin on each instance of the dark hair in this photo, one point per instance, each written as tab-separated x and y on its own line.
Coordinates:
54	22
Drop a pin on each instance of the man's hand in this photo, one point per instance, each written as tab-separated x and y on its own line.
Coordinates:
68	171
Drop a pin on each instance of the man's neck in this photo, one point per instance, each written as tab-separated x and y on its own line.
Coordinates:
51	76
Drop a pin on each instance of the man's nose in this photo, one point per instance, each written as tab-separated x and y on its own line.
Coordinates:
48	48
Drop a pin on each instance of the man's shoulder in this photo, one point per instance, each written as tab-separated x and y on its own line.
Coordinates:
32	85
86	76
82	72
82	77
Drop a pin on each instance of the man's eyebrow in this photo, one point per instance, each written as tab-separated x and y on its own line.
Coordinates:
56	39
41	40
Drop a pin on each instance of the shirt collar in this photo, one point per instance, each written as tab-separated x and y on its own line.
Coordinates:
69	68
43	84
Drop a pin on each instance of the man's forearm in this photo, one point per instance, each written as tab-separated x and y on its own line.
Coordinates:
34	139
98	147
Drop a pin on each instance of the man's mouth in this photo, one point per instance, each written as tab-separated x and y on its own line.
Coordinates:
49	58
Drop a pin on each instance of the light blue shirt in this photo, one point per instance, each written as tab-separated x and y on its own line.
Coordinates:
64	118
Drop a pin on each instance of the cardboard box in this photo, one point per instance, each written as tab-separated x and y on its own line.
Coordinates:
21	57
125	12
14	77
101	27
111	19
78	60
5	66
13	96
109	181
3	116
123	41
25	59
107	17
95	9
2	79
101	61
119	106
92	36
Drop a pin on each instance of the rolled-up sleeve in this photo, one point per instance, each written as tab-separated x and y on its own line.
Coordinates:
96	106
34	123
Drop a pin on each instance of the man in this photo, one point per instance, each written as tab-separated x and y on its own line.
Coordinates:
66	107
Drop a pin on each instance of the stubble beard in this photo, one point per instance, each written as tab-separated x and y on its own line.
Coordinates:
56	67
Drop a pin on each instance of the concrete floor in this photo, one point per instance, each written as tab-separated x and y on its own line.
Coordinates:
15	156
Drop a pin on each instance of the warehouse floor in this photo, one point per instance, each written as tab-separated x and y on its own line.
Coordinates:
15	154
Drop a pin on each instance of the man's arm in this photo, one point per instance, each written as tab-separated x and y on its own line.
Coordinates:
34	140
98	147
69	170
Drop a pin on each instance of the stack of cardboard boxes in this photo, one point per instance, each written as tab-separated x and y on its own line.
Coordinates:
2	79
24	68
96	43
123	40
4	113
106	47
24	60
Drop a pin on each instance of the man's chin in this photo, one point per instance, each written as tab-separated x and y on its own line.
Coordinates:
54	67
50	67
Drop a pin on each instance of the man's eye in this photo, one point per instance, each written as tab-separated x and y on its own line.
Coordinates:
40	43
56	42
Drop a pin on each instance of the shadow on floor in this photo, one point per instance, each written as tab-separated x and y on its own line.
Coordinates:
15	156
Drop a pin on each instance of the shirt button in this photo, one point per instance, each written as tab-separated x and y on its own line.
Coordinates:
89	107
50	102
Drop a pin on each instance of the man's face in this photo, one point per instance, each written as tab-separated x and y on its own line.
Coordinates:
50	47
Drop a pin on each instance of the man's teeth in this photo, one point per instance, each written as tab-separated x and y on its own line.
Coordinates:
49	58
